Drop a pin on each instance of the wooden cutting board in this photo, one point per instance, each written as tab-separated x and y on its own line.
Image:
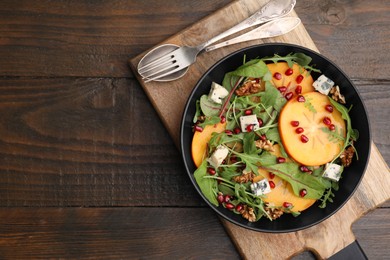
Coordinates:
169	100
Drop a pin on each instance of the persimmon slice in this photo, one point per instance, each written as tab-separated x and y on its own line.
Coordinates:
200	140
283	191
317	144
288	78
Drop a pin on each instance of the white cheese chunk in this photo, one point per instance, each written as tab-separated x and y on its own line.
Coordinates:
249	120
217	93
323	84
218	156
260	188
333	171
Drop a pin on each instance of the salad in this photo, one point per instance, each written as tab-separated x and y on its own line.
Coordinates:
270	140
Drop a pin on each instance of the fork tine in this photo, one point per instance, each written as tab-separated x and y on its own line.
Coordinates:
168	56
160	70
155	66
164	74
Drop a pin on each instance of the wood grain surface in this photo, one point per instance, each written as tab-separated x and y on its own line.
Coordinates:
79	138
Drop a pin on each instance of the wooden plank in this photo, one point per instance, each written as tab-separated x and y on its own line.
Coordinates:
249	243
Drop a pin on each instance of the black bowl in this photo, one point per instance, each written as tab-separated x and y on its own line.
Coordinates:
352	175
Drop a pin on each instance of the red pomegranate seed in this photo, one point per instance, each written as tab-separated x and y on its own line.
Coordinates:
237	130
211	171
332	127
302	193
298	89
304	168
301	98
229	132
287	204
327	121
299	79
299	130
248	112
198	128
260	122
329	108
223	119
271	175
226	198
229	206
282	89
280	160
289	95
239	207
304	139
277	76
263	137
220	198
272	184
289	71
233	159
294	123
249	128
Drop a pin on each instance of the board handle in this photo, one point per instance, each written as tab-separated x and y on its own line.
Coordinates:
352	251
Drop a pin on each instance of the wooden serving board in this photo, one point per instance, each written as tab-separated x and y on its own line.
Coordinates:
324	239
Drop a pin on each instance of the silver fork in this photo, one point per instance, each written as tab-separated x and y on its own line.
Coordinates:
182	57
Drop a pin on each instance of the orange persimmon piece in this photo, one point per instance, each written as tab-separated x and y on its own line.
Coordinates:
283	191
200	140
313	143
291	78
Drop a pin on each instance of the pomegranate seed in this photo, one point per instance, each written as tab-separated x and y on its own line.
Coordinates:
260	122
327	121
277	76
298	89
239	207
301	98
287	204
248	112
282	89
280	160
220	198
233	159
257	80
332	127
304	139
226	198
299	130
289	95
211	171
263	137
271	175
304	168
329	108
237	130
229	132
299	79
223	119
249	128
198	128
289	72
302	193
272	184
294	123
229	206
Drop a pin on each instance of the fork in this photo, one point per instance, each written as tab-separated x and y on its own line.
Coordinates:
184	56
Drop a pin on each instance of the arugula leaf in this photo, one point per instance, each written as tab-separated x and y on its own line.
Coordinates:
209	187
255	68
249	143
315	186
210	121
197	111
300	58
208	107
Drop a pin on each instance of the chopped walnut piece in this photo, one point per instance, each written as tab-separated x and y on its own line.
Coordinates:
248	213
347	155
273	212
244	178
265	145
250	87
336	95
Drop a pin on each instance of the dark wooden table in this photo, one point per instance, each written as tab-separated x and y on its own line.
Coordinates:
87	169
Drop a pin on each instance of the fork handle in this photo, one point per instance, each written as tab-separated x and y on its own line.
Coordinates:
270	11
